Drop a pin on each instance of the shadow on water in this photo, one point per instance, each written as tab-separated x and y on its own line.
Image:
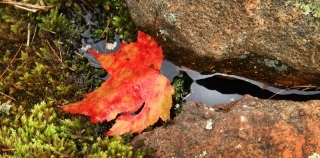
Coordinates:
221	88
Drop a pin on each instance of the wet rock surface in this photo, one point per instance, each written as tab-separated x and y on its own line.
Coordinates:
268	41
249	127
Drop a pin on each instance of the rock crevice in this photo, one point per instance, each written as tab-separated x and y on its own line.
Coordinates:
197	34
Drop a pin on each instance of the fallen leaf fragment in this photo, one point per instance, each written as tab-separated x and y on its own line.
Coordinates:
135	82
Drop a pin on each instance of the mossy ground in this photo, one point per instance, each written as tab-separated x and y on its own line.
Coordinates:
310	7
40	70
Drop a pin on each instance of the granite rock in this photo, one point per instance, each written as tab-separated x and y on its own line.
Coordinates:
269	41
249	127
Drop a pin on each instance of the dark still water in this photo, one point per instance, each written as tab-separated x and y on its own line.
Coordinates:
221	88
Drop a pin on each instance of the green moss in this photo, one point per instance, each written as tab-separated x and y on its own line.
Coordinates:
178	85
314	155
33	70
310	7
120	20
180	92
44	133
53	24
46	72
114	12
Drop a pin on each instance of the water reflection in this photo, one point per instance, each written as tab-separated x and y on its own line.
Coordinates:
221	88
210	97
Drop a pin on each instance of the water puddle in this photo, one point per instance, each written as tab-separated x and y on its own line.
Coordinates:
222	88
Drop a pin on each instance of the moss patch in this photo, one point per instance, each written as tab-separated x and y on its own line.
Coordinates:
41	69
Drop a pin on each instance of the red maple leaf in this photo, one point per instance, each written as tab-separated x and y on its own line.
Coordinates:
135	81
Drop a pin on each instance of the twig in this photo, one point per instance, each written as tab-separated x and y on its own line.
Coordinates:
85	3
49	30
28	7
54	52
25	8
305	87
76	52
276	94
61	59
105	30
34	34
7	149
28	36
14	57
8	96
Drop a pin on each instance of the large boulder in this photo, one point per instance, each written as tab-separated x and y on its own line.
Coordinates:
249	127
269	41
